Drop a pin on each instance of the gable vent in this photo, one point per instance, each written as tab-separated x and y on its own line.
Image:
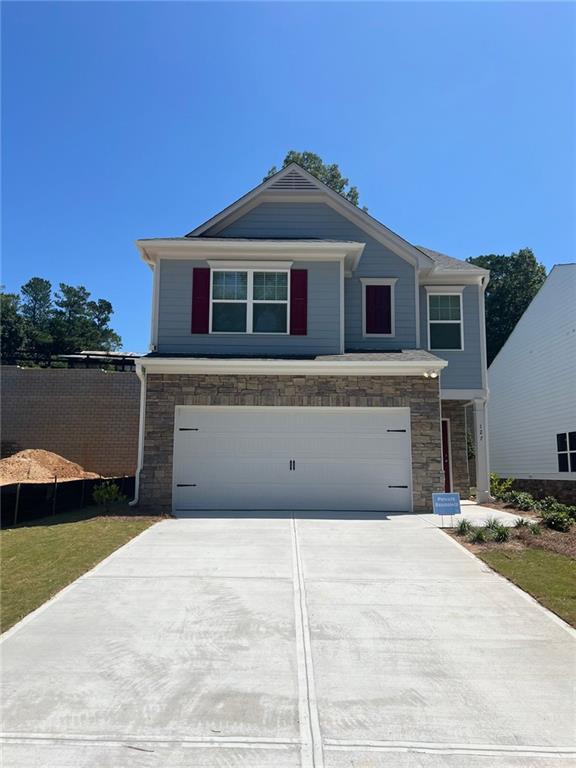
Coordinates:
293	180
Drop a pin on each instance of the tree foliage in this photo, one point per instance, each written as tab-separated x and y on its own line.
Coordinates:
328	173
37	324
514	281
11	324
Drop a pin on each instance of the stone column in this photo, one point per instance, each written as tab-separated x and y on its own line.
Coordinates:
482	464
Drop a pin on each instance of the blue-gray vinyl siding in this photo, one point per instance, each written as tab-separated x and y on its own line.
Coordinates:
464	369
175	310
317	220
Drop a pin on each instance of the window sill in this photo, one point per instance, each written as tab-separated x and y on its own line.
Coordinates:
245	333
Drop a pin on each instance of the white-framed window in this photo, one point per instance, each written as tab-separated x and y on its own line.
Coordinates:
378	310
445	325
566	449
249	301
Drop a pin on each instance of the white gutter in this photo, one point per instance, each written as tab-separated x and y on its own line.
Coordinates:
141	373
238	366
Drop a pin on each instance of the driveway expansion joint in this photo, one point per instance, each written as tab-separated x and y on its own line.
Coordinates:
311	751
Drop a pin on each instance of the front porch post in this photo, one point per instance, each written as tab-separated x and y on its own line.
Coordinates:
482	466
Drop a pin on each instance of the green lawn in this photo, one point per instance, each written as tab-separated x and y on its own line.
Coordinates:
547	576
40	558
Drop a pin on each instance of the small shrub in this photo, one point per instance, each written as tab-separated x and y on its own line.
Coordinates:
499	486
557	519
464	527
520	522
547	503
521	500
492	524
107	494
501	534
478	536
535	529
510	497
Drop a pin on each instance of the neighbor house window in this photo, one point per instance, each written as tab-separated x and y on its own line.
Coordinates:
249	301
566	447
378	306
445	321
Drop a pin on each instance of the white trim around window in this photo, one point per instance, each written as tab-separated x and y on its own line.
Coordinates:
438	290
250	302
391	281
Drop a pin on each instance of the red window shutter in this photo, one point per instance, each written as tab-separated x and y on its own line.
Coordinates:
298	302
201	300
378	309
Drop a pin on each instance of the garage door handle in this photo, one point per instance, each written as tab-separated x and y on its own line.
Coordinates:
397	486
292	465
185	485
188	429
395	430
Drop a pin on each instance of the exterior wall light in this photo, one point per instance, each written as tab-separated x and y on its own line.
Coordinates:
430	374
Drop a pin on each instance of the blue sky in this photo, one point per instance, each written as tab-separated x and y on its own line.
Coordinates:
126	120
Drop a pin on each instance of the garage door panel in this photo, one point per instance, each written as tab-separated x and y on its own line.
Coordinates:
241	459
256	496
295	420
196	445
316	470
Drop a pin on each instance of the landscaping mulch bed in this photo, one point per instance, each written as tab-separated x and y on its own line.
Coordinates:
562	543
501	507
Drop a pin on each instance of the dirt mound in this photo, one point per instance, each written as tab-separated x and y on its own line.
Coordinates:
37	466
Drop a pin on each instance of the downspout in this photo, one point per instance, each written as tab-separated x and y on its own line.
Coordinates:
141	373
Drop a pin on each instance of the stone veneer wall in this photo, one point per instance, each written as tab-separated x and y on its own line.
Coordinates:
454	410
563	490
165	391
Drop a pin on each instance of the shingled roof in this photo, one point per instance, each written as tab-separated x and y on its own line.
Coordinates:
449	263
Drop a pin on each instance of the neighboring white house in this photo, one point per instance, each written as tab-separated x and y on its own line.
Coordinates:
532	382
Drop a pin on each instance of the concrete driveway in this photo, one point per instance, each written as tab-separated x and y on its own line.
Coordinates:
279	642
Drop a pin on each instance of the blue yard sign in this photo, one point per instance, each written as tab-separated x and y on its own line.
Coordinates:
446	503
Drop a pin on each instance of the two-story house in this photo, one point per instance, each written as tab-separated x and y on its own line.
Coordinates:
305	357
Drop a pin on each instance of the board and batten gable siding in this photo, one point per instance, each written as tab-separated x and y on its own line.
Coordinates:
175	312
317	220
532	384
464	369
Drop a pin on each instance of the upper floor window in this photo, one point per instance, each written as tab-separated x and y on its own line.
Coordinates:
566	448
378	306
249	301
445	321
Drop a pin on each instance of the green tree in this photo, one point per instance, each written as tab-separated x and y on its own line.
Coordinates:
37	301
78	323
36	311
100	334
69	322
514	281
11	325
327	173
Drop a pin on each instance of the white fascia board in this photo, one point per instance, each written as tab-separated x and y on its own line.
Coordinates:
457	277
241	366
444	288
244	264
205	249
463	394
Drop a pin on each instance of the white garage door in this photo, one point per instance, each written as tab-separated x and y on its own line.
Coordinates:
269	458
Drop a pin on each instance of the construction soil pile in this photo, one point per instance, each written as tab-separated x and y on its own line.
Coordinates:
37	466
